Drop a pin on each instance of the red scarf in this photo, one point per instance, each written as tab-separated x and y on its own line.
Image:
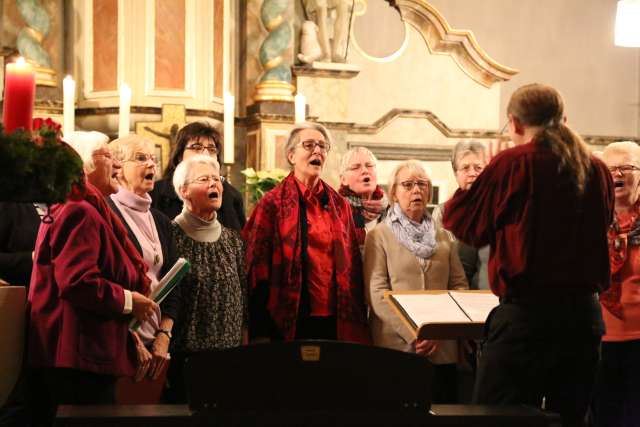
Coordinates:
359	210
621	235
274	255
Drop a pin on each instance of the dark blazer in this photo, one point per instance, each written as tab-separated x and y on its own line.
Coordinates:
231	213
19	223
171	305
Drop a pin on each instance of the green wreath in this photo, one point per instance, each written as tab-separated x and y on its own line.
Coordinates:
41	168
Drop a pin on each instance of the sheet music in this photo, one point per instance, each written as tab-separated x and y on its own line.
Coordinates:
477	305
430	308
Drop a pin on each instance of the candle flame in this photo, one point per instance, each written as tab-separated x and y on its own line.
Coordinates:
20	61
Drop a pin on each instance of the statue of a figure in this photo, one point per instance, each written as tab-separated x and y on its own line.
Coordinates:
332	19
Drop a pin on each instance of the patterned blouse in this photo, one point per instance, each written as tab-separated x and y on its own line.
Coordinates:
214	293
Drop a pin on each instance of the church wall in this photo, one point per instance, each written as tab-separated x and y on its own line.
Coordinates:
568	44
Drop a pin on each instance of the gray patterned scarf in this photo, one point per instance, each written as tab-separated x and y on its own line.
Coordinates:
418	238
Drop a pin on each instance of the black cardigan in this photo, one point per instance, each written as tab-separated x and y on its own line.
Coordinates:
19	224
231	213
171	305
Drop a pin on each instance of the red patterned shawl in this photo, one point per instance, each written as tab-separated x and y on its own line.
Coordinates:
274	255
622	234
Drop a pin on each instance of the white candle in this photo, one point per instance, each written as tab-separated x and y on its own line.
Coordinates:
229	128
301	106
125	110
69	110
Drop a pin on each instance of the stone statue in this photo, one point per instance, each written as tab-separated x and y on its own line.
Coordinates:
332	18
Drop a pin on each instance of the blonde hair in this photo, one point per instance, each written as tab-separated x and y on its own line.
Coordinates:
346	158
538	105
125	148
416	169
628	148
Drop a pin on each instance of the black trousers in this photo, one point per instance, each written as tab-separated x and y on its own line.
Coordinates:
617	398
59	386
542	352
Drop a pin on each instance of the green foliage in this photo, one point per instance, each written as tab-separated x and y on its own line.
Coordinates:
38	169
260	182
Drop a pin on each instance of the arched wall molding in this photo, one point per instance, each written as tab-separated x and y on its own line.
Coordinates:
448	132
461	45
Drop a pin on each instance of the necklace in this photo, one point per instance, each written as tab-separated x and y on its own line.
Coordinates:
152	240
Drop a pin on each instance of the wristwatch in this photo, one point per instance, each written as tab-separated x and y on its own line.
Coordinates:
167	332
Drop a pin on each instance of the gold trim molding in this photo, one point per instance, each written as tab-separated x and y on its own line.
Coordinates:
461	45
451	133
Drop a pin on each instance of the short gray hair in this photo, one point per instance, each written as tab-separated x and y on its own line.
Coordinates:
183	170
629	148
346	158
85	144
125	148
416	169
463	148
294	136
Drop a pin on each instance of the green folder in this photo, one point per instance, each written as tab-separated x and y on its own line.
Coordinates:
166	285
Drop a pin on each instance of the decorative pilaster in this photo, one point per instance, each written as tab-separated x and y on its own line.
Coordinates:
275	83
29	41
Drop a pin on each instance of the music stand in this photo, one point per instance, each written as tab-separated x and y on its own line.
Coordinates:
308	376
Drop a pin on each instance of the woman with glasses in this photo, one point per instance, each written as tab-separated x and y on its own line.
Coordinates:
198	138
407	252
87	281
544	206
149	230
303	262
359	185
214	292
617	397
468	160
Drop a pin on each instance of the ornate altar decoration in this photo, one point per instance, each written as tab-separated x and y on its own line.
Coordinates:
38	168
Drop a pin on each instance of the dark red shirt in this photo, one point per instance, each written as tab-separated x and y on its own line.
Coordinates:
543	236
319	252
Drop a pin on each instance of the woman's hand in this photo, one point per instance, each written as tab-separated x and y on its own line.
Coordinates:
426	347
144	358
143	308
160	355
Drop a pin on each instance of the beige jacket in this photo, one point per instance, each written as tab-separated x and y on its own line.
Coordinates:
390	266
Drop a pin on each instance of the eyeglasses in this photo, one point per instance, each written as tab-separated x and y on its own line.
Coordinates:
211	148
311	144
623	169
408	185
143	158
359	166
206	179
468	168
504	128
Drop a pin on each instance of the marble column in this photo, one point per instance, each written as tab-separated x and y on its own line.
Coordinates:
275	83
30	38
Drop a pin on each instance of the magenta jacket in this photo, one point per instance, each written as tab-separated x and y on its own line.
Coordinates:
76	296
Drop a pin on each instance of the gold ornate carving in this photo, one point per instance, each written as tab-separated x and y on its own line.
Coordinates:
461	45
274	90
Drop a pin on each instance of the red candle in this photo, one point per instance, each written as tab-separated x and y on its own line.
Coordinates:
19	94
